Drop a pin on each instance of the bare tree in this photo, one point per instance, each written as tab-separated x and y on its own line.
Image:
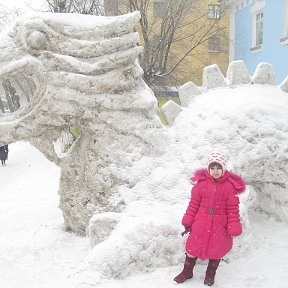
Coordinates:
93	7
7	15
172	33
60	6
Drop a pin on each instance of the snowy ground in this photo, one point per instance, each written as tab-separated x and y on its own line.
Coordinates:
35	251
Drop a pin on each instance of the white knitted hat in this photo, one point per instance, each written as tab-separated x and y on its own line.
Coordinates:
218	158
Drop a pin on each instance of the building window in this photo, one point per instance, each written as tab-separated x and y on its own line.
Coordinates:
259	29
111	7
159	9
257	12
284	39
286	19
214	11
214	44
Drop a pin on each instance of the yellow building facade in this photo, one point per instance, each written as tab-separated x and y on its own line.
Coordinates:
208	22
180	38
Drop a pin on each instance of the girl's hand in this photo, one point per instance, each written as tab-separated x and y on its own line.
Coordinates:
187	230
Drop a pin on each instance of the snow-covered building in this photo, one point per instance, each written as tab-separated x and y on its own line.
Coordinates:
259	33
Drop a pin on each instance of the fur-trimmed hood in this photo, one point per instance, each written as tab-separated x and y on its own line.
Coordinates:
237	181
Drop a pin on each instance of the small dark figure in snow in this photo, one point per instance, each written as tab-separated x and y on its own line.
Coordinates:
4	153
212	218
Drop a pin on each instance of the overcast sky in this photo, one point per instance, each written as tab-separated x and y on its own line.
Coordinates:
22	4
9	10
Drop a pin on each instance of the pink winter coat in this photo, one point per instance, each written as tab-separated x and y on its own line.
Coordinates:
213	214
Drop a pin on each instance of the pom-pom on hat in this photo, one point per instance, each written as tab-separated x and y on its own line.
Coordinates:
218	158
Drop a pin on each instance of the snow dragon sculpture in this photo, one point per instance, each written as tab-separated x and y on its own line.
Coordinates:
79	71
127	169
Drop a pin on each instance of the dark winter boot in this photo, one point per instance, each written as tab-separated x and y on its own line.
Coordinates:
187	272
211	271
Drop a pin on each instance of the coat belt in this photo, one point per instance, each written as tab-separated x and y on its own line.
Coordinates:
212	211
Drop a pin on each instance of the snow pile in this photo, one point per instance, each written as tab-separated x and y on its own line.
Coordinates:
37	252
248	124
239	121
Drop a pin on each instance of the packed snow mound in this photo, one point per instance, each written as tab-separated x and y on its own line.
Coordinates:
248	123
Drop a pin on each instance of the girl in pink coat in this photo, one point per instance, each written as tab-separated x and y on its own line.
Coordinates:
212	217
